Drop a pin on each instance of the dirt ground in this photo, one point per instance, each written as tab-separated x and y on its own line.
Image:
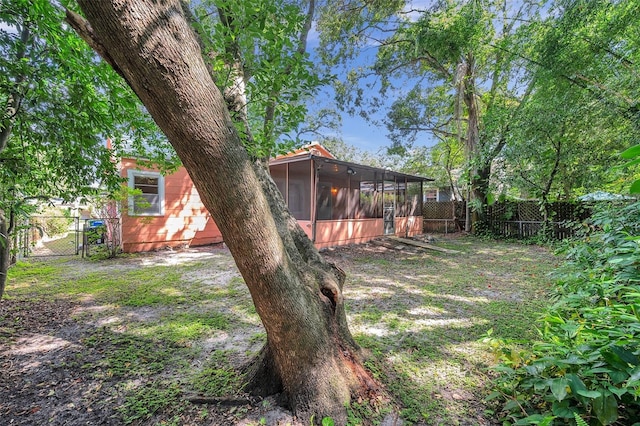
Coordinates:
47	372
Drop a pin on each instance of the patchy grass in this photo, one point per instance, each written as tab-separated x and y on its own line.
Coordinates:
147	328
219	377
143	402
422	317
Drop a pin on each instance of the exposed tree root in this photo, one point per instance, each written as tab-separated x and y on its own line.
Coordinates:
261	376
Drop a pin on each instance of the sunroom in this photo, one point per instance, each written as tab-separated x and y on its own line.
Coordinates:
338	202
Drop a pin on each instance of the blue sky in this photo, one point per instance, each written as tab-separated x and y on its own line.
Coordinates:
356	131
363	135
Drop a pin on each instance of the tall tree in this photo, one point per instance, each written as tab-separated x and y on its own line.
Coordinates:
584	105
309	353
54	115
257	50
454	60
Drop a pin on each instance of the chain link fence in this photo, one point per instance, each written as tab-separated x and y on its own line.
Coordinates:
44	236
50	236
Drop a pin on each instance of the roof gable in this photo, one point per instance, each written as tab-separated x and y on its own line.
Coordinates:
314	148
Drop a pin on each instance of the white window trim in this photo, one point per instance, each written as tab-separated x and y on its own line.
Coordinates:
131	174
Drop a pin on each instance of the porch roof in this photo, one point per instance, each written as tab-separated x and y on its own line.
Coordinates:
357	171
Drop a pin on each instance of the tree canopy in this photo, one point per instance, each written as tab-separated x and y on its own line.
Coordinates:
542	95
58	103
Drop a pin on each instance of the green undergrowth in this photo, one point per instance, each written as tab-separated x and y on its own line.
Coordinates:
585	366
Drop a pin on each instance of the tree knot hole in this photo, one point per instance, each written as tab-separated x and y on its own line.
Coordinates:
330	294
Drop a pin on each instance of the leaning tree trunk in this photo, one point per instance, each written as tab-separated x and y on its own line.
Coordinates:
309	354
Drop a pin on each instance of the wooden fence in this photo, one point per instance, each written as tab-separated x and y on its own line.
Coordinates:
511	219
443	216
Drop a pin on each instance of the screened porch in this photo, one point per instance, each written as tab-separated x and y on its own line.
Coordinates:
338	203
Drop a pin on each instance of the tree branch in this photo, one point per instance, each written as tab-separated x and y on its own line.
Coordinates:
82	27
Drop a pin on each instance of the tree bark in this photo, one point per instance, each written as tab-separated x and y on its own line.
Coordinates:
309	353
5	252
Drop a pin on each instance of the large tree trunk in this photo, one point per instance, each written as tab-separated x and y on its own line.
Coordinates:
309	353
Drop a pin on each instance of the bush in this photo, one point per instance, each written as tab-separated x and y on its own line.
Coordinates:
587	363
53	221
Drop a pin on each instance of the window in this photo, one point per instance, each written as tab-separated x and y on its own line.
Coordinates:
149	197
299	190
324	206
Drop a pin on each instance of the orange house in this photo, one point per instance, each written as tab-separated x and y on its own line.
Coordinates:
335	202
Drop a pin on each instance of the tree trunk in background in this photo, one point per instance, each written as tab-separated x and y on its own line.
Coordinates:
310	353
5	252
480	164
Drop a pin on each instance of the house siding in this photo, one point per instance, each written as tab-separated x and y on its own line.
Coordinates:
185	222
349	231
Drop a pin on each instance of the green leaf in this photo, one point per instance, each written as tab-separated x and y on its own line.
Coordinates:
512	405
632	152
492	396
634	375
327	421
554	319
559	388
590	394
617	391
577	386
635	187
618	376
535	419
626	355
579	420
606	408
632	163
619	357
562	409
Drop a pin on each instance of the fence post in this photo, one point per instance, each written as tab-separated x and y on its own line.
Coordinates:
77	235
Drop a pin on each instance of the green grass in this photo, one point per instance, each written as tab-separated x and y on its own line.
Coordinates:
218	378
424	330
421	317
63	246
182	328
143	402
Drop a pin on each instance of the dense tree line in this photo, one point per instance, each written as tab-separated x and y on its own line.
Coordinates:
532	99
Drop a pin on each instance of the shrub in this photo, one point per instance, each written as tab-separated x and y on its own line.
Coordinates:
54	221
586	367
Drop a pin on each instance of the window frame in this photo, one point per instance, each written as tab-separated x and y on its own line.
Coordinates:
131	174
